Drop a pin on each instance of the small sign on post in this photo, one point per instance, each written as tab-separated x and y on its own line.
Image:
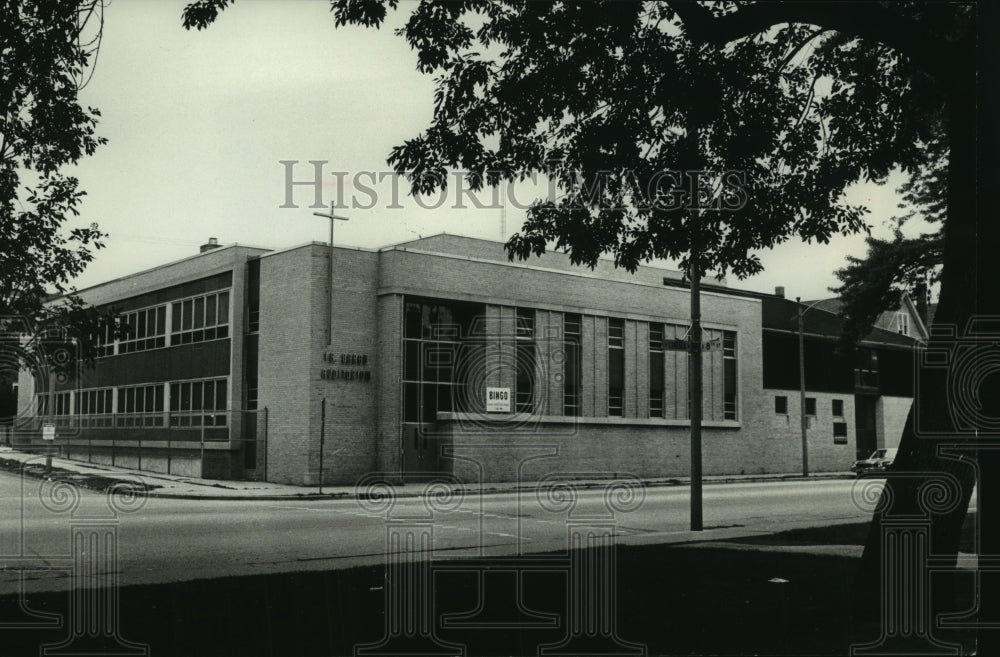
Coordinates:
498	400
49	436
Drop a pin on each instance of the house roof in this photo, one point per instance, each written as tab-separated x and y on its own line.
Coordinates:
887	318
780	314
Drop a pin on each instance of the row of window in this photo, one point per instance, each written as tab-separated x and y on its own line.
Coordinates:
191	404
197	319
445	367
147	330
201	318
836	408
781	406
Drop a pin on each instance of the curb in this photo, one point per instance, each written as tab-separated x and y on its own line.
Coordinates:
402	493
163	492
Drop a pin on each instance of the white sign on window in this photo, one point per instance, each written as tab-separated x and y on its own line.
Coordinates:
498	400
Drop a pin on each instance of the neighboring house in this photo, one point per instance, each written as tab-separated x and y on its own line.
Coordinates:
441	355
859	395
911	319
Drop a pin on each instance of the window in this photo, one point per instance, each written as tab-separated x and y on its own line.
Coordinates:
96	407
53	403
902	323
145	329
839	433
866	374
781	405
140	406
616	367
571	378
198	403
524	380
811	406
729	375
442	347
199	319
104	339
838	408
656	366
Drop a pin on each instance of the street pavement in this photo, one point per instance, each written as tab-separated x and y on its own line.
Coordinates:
169	539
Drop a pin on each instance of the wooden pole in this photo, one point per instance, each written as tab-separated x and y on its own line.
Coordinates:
802	393
695	383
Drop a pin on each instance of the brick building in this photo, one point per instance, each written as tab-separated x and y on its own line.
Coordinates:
432	355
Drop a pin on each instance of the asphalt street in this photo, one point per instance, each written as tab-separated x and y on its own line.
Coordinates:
168	540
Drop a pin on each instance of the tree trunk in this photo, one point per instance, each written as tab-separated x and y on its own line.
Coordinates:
917	522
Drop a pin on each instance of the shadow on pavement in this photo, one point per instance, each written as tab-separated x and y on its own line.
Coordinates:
673	600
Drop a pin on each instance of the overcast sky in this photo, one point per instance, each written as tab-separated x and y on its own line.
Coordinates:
198	123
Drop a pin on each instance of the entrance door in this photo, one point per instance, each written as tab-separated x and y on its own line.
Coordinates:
421	455
864	425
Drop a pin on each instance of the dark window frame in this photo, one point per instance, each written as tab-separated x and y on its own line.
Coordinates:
616	367
781	405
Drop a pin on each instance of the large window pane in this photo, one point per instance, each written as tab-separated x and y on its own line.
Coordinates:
199	313
188	313
412	321
220	396
210	317
411	360
196	396
185	397
209	403
224	307
411	397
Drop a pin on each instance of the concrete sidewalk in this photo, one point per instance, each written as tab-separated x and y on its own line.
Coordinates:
93	475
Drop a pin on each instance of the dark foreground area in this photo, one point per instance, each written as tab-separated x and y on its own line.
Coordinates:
676	600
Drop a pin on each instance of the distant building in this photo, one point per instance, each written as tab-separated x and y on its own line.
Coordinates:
911	319
440	355
860	395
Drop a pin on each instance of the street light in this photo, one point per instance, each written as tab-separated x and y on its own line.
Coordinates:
800	313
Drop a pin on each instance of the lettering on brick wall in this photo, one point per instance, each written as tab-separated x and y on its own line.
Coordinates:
352	367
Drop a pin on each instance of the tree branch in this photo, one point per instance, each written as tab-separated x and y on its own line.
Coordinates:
866	20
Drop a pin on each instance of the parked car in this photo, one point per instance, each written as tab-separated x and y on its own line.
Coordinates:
877	462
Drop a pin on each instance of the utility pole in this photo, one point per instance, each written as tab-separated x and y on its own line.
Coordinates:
802	391
695	383
694	212
333	218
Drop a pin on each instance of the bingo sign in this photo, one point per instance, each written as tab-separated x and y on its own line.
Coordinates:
498	400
